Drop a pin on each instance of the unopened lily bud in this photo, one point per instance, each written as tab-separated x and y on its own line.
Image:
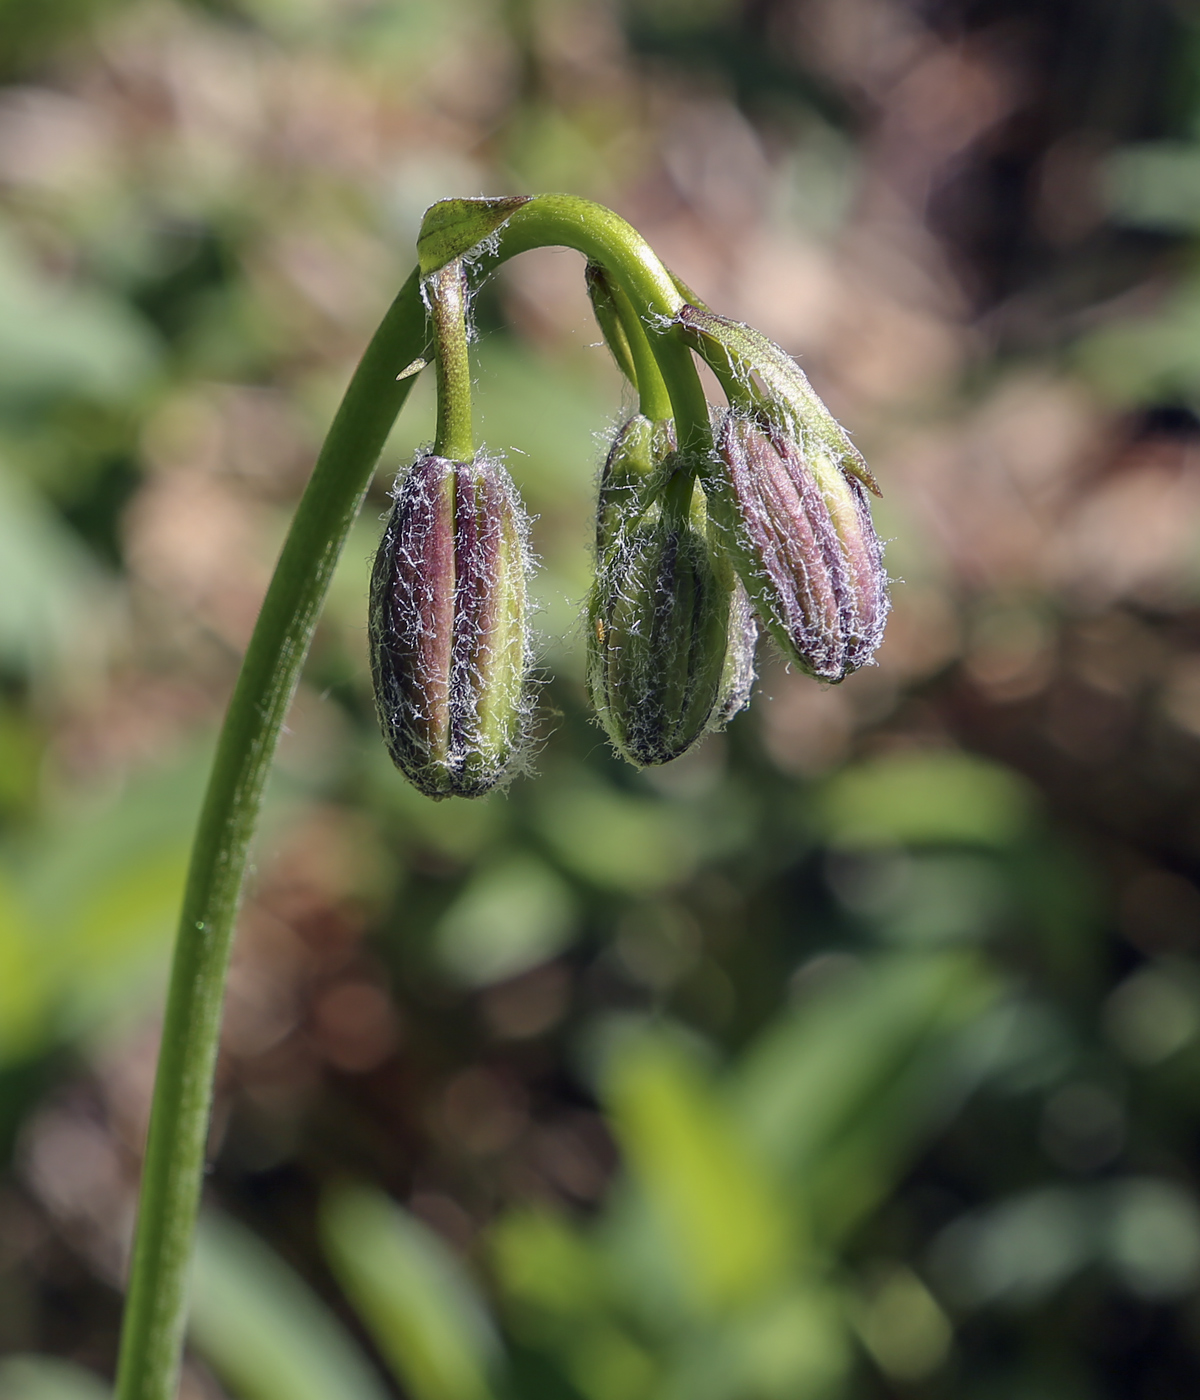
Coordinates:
799	530
670	641
632	471
449	640
788	491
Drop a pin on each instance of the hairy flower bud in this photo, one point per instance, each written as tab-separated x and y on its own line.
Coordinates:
670	635
799	530
788	491
449	643
632	473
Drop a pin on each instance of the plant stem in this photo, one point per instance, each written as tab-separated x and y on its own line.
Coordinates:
156	1307
654	401
606	238
446	291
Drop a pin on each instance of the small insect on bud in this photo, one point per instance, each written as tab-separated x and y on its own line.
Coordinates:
788	492
450	652
670	637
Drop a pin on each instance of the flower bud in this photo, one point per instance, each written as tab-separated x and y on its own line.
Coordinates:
761	378
449	645
799	530
670	646
632	475
788	492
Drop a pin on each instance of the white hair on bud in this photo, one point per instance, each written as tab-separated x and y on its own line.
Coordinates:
455	558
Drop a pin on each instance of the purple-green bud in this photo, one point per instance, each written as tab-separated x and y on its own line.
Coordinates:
798	527
761	378
670	636
450	652
788	491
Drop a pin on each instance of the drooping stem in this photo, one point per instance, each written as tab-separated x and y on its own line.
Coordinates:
604	308
446	293
605	238
654	401
156	1306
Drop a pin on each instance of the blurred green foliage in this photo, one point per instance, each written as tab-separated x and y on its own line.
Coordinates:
855	1055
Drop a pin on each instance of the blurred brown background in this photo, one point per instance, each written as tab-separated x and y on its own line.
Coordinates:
856	1054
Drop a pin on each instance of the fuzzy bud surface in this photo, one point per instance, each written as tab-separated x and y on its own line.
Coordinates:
800	532
788	491
670	635
450	652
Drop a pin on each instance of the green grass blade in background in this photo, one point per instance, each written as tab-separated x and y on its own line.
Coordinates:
811	1076
916	799
840	1092
58	338
48	1378
87	908
564	1299
261	1328
23	981
412	1294
544	1262
57	608
731	1233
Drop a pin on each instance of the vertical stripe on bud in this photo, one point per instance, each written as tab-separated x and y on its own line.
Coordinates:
798	526
670	639
449	641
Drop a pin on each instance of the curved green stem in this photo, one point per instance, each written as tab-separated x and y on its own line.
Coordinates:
446	292
626	340
604	237
156	1308
653	399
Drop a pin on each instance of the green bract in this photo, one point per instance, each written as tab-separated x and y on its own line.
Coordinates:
671	632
